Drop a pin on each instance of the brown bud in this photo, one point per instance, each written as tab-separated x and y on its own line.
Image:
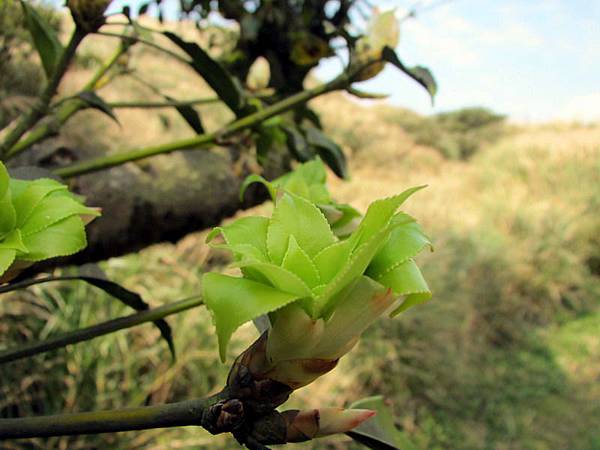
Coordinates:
88	14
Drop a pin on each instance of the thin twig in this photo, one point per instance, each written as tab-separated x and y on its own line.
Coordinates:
101	329
171	53
204	141
164	104
186	413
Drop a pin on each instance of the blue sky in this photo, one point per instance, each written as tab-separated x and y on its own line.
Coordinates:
534	60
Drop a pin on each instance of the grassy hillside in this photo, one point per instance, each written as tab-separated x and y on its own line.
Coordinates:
505	356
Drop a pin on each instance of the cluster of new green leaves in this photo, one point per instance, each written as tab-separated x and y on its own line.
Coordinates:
39	219
309	180
295	257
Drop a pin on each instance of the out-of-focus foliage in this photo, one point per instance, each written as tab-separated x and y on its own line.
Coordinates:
292	35
21	77
456	134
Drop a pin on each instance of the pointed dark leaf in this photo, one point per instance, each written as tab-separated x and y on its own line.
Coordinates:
297	145
143	9
420	74
370	441
213	73
365	95
95	102
127	12
44	37
190	115
379	433
129	298
329	151
305	112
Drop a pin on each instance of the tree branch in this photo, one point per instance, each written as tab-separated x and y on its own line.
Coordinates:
101	329
164	104
186	413
203	141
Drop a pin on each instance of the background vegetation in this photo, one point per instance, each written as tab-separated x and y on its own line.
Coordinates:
505	356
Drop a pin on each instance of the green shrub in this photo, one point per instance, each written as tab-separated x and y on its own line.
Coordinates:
456	134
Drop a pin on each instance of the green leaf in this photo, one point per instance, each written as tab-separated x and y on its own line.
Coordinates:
330	260
14	241
31	194
365	95
44	38
308	181
255	178
51	210
4	180
143	9
420	74
298	262
133	300
348	221
298	186
296	216
214	74
64	238
379	214
312	172
297	145
350	271
275	276
8	215
406	241
190	115
406	279
328	150
94	101
7	256
268	137
379	433
235	301
304	112
248	231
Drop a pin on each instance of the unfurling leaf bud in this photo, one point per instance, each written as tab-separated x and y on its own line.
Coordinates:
310	424
88	14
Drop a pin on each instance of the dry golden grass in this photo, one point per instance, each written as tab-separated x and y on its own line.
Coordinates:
530	201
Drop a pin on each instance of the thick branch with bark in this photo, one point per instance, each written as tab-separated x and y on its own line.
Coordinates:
161	199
